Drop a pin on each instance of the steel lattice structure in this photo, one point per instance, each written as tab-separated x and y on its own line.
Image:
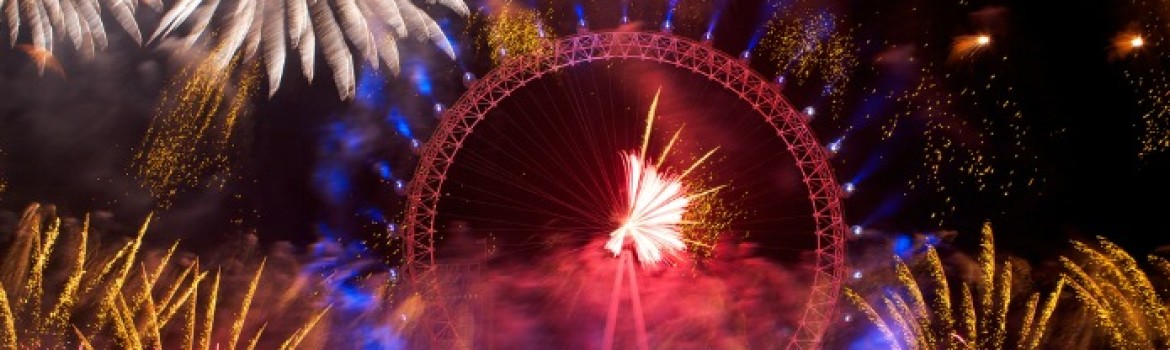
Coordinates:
425	189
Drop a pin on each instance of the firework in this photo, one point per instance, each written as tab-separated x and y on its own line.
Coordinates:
268	29
713	212
656	204
806	44
79	21
652	215
193	115
124	307
512	30
238	326
907	320
1127	43
1126	308
966	46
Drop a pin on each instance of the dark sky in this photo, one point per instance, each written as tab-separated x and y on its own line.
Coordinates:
70	142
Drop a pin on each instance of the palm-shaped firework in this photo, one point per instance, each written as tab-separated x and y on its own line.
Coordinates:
247	29
271	27
78	20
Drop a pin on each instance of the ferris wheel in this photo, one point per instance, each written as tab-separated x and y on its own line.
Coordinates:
538	139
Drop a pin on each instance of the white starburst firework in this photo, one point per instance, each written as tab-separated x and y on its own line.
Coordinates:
656	205
652	216
271	27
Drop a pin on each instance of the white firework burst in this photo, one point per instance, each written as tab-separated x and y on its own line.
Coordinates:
655	206
273	28
652	216
79	21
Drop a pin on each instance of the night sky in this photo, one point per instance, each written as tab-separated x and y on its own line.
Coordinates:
70	141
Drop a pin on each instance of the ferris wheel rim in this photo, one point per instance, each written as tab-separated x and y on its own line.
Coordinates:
734	74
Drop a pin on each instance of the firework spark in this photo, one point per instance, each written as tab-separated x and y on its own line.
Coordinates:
1126	43
966	46
269	28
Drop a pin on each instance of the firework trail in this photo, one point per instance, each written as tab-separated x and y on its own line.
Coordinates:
191	135
1126	309
130	297
79	21
271	29
967	46
910	316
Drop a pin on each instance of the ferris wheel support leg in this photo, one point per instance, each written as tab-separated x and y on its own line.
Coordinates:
625	265
636	302
614	301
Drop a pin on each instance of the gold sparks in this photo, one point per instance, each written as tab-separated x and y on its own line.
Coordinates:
715	216
1127	43
293	341
255	339
707	214
209	315
981	317
986	284
59	315
967	46
971	130
942	295
512	30
1141	49
191	138
238	326
119	307
806	44
7	321
874	317
1127	308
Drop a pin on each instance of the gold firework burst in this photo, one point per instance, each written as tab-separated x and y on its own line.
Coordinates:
808	44
907	320
512	30
1125	307
113	298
